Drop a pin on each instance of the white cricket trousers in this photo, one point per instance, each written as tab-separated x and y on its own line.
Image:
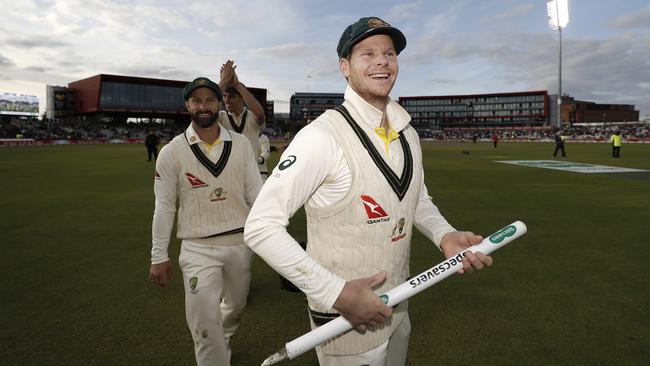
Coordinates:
390	353
216	280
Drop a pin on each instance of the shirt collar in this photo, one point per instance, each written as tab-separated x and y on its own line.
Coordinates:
237	115
193	137
371	117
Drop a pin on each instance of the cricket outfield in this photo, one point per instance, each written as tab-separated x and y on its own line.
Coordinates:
76	224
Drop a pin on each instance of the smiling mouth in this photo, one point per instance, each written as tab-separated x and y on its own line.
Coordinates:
379	76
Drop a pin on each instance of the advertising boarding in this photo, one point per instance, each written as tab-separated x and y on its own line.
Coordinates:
18	104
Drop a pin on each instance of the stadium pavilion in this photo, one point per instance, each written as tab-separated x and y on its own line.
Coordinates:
117	98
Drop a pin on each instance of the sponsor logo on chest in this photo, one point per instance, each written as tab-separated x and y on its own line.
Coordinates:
375	212
218	195
398	231
194	281
195	181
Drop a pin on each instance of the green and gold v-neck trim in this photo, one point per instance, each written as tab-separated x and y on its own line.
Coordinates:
235	127
400	185
214	168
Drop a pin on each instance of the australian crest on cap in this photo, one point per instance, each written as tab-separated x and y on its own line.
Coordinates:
376	22
202	81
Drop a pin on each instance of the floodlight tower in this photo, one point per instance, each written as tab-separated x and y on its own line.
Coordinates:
558	18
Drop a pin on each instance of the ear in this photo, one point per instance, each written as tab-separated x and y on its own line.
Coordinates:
187	105
344	66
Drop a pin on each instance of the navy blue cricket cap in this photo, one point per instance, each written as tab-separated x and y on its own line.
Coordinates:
202	82
364	28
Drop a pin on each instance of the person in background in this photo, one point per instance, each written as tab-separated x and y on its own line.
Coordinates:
212	173
559	143
616	141
245	114
151	142
263	156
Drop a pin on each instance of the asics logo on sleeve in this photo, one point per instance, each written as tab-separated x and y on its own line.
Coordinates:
287	162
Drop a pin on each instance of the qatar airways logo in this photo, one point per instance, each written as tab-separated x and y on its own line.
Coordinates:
373	209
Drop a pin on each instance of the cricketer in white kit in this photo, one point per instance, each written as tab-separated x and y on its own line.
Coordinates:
213	174
263	156
244	113
358	172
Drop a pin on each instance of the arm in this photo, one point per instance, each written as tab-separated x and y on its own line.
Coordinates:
252	180
265	150
229	78
284	192
165	188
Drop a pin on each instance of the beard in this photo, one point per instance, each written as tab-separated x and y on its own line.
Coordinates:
204	119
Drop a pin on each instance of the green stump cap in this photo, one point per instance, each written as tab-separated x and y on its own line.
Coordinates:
202	82
364	28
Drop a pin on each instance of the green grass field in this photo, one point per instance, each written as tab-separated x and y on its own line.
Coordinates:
76	224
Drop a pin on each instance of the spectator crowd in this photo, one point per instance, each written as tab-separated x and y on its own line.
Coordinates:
631	132
46	130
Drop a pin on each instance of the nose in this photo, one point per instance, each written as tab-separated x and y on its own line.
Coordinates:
381	59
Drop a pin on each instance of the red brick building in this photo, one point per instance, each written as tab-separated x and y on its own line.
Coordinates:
579	111
118	98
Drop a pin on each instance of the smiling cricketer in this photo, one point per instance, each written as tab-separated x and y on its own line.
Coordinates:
357	169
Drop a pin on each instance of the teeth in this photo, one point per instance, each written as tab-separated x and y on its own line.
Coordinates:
379	76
